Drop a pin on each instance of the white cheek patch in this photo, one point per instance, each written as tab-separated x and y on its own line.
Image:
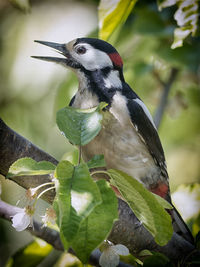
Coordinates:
113	80
146	111
93	58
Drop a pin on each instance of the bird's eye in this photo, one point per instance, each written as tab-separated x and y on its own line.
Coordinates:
81	50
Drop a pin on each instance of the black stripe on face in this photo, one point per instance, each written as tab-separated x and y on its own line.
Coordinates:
97	86
106	71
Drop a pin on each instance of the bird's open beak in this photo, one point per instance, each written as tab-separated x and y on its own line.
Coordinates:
60	48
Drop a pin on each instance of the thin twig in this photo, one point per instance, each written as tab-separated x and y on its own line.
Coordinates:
164	97
158	78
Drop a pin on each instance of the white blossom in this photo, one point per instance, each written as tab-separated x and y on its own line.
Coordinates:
110	255
189	195
121	249
22	219
49	217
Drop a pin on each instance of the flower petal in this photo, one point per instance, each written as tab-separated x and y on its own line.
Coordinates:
109	258
121	250
21	221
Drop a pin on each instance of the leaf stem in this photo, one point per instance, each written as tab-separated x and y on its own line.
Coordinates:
80	154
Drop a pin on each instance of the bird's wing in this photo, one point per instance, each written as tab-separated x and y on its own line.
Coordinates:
143	123
72	101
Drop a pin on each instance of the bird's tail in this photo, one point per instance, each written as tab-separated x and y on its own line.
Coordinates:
180	226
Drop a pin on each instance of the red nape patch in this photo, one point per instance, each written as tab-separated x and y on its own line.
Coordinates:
162	190
116	59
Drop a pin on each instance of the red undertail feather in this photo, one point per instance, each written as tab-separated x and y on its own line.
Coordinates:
179	226
162	190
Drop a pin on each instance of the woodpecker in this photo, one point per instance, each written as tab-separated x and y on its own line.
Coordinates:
128	139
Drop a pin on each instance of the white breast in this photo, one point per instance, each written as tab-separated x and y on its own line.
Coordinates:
84	98
79	102
121	145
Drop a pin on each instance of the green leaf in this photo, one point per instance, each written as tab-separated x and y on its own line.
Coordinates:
144	205
56	208
96	227
96	162
112	14
31	255
131	260
77	195
157	260
145	253
163	202
28	166
62	203
80	126
72	156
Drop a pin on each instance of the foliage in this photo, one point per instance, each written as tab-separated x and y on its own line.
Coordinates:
145	206
80	126
96	162
144	43
89	236
28	166
77	196
157	260
81	203
114	13
186	16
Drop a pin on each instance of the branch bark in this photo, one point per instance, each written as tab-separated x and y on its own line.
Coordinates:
127	230
165	93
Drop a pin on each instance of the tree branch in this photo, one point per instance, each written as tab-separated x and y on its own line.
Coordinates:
127	230
165	92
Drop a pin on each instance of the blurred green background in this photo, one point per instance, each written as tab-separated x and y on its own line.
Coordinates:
32	91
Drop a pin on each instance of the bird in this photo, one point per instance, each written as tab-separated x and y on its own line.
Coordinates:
128	139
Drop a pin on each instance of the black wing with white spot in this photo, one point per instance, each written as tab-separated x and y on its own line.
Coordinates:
143	123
